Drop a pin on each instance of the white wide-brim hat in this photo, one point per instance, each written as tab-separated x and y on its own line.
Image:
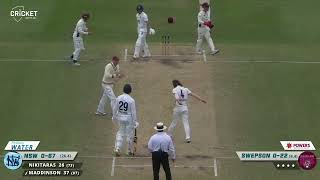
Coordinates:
160	127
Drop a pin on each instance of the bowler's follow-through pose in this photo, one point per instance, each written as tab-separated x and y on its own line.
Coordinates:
143	31
204	26
124	113
80	30
180	111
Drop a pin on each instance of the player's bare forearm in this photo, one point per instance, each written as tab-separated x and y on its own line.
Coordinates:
198	97
148	27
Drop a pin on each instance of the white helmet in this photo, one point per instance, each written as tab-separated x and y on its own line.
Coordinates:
152	31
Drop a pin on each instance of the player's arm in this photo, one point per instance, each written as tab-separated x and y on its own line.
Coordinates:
198	97
150	144
82	29
107	71
118	74
172	151
115	110
177	98
146	20
200	19
134	114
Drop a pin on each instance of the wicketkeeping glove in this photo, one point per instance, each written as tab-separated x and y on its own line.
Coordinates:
136	124
209	24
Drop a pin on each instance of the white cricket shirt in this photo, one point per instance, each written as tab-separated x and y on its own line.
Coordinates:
181	95
80	29
125	106
142	20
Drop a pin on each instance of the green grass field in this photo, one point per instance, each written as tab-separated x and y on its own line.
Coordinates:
261	88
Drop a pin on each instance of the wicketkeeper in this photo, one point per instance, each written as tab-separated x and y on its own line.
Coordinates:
80	30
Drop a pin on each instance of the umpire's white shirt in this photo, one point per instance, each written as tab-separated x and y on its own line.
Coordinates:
162	141
142	20
80	29
125	109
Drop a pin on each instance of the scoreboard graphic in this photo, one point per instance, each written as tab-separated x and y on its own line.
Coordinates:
296	155
23	154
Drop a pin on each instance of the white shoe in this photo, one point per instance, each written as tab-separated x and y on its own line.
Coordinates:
188	140
117	152
100	113
199	52
146	56
215	51
135	57
130	153
76	64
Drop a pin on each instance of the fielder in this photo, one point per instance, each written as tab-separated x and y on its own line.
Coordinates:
80	30
204	26
143	30
180	111
124	113
111	76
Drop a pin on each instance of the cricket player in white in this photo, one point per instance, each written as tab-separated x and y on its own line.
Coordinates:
111	76
180	111
124	113
143	30
80	30
204	26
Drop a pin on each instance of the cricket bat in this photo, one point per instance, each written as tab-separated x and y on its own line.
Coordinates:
135	141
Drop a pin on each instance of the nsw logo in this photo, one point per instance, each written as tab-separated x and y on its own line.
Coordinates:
19	12
12	160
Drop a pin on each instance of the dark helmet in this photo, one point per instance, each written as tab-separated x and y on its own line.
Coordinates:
205	5
140	8
127	89
85	15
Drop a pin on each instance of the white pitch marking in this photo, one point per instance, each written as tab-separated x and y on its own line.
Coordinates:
215	167
113	166
204	56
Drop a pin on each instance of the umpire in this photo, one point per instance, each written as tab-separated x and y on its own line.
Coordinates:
161	146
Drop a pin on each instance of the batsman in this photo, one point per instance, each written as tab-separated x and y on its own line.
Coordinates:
204	27
124	114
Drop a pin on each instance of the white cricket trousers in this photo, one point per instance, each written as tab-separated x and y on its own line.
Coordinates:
180	113
141	44
126	130
107	93
78	46
204	33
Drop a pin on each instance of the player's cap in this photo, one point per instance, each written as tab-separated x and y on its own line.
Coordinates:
139	8
127	88
160	127
205	5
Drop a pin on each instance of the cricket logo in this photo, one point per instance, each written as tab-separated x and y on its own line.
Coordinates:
12	160
18	12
